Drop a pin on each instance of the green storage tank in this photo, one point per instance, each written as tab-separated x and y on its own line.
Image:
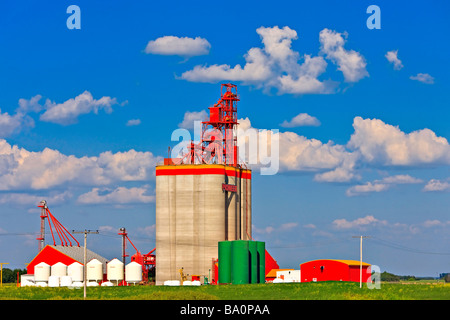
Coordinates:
253	260
225	262
261	250
239	262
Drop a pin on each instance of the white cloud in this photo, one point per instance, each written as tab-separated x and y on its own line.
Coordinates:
120	195
373	144
32	200
23	169
381	185
423	77
351	63
434	223
191	117
180	46
133	122
278	66
366	188
392	57
358	223
400	179
381	143
67	112
297	153
437	185
12	124
303	119
282	228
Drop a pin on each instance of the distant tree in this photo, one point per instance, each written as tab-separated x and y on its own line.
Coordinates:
10	276
389	277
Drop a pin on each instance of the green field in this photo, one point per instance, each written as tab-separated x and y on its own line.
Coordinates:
429	290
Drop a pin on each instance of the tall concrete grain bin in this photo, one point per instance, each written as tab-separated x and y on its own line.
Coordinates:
196	207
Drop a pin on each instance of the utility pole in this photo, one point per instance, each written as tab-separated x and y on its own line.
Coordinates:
85	253
360	258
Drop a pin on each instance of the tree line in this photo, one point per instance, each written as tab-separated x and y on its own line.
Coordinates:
10	276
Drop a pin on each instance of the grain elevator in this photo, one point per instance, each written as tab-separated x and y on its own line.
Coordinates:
203	197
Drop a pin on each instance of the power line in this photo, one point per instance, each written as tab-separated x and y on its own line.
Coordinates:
404	248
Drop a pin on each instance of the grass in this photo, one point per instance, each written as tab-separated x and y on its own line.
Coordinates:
287	291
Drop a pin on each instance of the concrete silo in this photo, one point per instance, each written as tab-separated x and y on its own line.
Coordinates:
202	198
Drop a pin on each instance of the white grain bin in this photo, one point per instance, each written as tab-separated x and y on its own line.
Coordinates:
53	281
27	280
114	270
133	272
59	269
94	270
41	272
65	281
75	271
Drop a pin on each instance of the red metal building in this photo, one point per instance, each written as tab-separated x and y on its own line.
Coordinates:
65	254
334	270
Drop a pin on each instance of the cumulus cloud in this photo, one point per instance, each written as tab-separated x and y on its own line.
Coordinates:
358	223
381	143
351	63
437	185
12	124
282	228
179	46
67	112
133	122
295	152
366	188
276	65
423	77
31	200
381	185
23	169
191	117
120	195
392	57
373	144
302	119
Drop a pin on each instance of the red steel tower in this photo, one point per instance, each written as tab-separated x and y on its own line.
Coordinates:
218	143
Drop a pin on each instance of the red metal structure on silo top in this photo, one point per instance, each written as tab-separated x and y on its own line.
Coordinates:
218	143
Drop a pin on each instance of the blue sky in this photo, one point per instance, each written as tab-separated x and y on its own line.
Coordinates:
87	113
